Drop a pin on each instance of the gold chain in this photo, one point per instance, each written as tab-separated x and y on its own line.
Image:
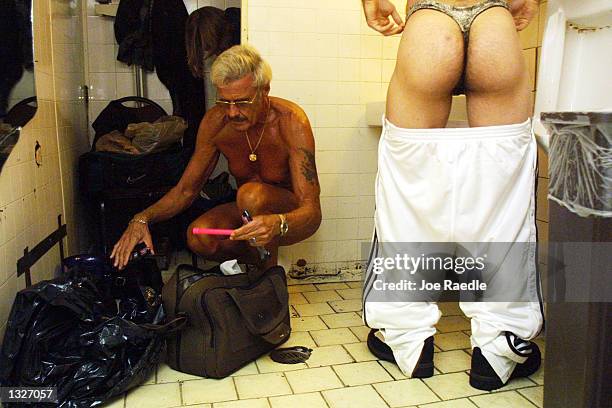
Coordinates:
253	156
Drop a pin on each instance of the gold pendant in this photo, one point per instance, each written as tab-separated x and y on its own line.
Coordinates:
252	157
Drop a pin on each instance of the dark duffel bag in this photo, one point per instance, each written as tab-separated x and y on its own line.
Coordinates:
231	320
104	171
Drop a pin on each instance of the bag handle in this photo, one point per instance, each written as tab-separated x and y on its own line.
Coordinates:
276	329
174	325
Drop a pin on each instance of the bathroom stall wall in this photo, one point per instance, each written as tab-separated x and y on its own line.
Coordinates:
110	79
31	195
325	58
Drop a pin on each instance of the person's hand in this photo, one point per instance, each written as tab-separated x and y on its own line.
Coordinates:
135	233
523	12
377	14
263	229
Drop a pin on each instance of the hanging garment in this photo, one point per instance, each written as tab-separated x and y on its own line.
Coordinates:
133	33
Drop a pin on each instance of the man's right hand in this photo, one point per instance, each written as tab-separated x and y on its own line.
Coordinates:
377	14
135	233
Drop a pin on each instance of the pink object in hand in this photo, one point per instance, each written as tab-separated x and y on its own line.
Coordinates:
211	231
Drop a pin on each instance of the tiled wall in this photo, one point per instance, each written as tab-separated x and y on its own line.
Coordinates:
110	79
532	42
32	196
325	58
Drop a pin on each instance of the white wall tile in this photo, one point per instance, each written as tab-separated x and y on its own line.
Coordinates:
371	46
349	69
349	46
305	45
327	45
325	92
327	20
281	44
100	30
102	58
279	19
327	116
103	86
303	20
349	21
371	70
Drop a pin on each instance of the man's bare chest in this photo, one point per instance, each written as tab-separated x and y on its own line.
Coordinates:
271	164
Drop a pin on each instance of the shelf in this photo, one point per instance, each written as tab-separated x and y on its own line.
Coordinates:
109	10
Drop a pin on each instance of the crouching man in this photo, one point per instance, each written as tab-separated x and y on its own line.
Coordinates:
269	146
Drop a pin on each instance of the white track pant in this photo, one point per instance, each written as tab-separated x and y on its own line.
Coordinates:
457	185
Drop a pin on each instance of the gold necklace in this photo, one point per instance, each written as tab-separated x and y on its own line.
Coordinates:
253	156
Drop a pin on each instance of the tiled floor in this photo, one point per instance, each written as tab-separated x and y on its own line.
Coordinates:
341	373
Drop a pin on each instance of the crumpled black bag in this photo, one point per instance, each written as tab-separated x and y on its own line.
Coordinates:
67	333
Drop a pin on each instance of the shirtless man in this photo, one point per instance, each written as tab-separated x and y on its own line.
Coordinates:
270	149
463	185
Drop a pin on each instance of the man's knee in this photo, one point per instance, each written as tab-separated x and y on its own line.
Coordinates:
251	196
202	245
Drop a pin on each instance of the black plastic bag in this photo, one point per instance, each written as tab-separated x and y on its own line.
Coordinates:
91	344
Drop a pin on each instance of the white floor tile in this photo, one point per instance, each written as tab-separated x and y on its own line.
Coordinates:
311	400
299	324
509	399
322	296
405	392
451	386
262	385
313	379
360	352
336	320
313	309
333	336
458	403
362	373
154	396
167	375
328	356
247	403
452	361
534	394
354	397
208	390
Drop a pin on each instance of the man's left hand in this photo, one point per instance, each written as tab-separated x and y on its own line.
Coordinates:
263	228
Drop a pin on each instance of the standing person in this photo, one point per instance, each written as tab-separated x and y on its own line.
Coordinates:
270	150
463	185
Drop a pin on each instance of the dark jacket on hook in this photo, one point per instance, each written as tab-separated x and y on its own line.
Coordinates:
151	33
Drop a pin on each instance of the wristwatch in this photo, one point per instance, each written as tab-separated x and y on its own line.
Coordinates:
284	227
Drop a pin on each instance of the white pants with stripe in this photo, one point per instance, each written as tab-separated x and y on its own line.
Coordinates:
458	185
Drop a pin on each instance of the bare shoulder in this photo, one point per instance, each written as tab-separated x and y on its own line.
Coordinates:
293	123
290	113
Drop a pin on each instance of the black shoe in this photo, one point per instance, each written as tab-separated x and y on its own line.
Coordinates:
484	377
425	365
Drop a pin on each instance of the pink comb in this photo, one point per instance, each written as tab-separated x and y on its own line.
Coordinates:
211	231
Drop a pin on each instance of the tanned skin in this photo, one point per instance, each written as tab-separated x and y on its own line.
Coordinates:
283	180
432	57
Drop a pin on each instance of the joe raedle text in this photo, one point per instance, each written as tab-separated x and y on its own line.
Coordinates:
447	284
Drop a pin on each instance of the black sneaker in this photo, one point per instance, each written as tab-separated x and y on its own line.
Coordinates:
425	365
484	377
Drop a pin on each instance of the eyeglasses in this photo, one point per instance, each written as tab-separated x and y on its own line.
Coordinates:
239	104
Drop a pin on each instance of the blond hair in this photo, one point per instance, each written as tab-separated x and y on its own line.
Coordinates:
238	61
